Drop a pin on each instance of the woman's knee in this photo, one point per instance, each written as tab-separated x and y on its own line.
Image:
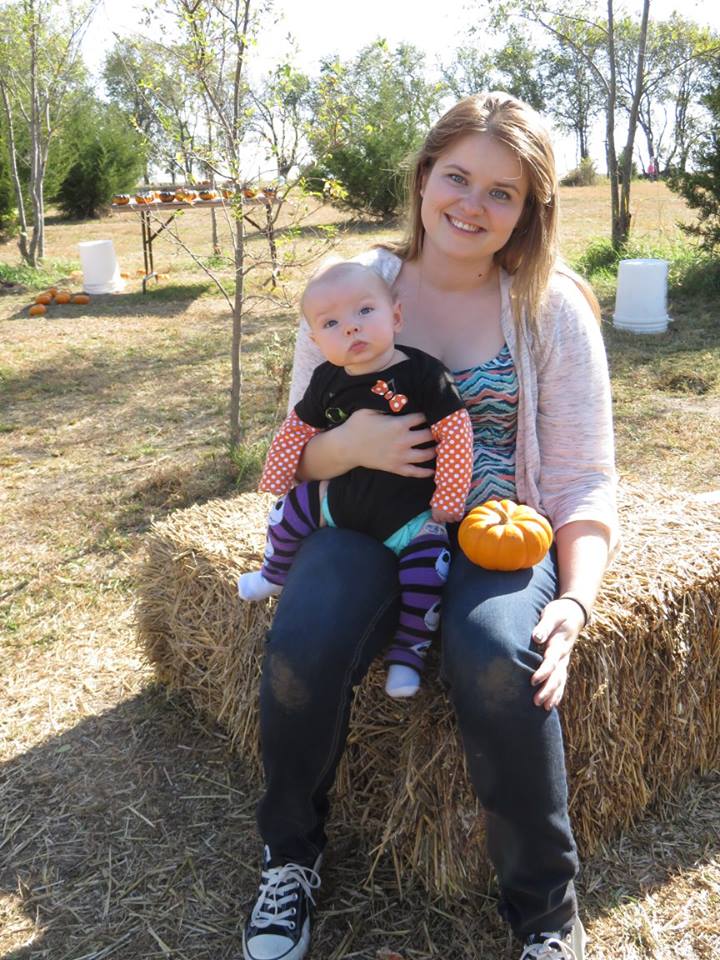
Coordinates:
488	653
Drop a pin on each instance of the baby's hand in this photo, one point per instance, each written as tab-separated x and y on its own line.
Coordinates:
445	516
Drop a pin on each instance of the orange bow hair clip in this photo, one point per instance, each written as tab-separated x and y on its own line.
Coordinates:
396	400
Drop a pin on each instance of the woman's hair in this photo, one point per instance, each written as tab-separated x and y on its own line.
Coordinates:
531	253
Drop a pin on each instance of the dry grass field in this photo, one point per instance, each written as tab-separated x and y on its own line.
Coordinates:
127	826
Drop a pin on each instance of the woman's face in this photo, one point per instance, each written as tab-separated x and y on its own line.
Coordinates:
472	198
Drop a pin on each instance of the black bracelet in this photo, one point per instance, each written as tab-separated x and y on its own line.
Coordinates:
571	596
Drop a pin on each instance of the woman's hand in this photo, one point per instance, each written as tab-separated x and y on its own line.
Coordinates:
555	634
382	442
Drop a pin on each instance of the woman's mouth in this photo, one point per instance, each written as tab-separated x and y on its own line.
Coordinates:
464	225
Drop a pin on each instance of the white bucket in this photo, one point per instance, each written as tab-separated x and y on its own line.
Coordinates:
641	297
101	272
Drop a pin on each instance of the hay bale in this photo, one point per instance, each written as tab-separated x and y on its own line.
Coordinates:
641	714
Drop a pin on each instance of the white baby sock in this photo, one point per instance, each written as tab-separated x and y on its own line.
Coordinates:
254	586
402	681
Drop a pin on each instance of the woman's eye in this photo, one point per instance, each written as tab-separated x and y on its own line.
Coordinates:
500	195
457	178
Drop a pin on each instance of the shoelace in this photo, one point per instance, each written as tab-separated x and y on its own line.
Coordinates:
278	889
552	948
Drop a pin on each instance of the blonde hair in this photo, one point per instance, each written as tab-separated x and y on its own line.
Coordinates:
531	253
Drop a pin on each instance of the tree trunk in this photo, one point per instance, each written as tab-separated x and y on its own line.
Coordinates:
15	175
236	357
624	217
270	230
615	232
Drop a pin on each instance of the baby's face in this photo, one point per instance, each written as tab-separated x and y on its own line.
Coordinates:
353	320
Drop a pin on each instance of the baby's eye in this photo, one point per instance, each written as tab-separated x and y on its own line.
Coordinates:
364	311
329	323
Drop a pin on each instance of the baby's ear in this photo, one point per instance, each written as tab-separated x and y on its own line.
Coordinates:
397	315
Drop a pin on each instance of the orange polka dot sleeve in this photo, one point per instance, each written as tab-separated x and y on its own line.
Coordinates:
454	461
281	464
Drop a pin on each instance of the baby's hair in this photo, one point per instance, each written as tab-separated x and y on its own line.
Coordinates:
335	268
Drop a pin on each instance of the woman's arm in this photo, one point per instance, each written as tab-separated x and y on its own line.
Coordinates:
582	554
368	438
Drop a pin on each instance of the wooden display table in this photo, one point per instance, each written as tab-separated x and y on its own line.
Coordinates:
145	210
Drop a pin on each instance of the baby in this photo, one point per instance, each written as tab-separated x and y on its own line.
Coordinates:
353	318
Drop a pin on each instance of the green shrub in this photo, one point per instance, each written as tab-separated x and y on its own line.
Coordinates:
109	159
691	271
584	175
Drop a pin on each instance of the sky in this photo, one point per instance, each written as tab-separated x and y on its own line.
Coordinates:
325	27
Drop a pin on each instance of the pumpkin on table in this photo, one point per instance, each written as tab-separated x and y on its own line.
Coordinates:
503	535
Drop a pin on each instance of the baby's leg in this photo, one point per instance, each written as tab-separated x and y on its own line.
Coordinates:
293	518
423	570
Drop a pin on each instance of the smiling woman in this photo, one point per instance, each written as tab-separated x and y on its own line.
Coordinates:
481	289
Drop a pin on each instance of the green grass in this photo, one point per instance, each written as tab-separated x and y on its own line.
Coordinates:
690	270
38	278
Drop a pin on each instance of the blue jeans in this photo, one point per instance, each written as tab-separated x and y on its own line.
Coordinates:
336	614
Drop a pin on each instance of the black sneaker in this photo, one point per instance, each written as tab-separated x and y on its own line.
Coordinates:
566	944
279	926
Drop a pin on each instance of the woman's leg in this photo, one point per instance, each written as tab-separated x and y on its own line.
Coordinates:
514	749
337	612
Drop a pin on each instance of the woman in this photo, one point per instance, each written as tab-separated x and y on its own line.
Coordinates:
480	287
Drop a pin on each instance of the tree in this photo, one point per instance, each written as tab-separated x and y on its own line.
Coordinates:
469	71
40	52
212	40
108	157
369	115
701	186
561	23
281	112
677	60
127	65
512	68
577	97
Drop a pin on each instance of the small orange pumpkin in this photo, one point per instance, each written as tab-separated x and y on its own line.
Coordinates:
80	298
167	196
43	298
121	199
207	194
62	296
502	535
37	310
53	291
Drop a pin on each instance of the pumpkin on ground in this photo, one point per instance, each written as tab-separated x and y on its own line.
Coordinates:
44	298
80	298
37	310
62	296
502	535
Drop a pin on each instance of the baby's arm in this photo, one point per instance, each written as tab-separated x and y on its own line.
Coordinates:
282	460
453	468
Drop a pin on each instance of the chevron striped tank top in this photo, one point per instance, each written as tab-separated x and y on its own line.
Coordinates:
490	392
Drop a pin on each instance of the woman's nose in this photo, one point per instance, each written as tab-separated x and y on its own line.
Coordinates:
474	201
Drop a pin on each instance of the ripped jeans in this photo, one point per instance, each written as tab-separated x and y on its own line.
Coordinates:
336	614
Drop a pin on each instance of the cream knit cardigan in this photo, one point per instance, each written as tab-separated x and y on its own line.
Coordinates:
565	452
